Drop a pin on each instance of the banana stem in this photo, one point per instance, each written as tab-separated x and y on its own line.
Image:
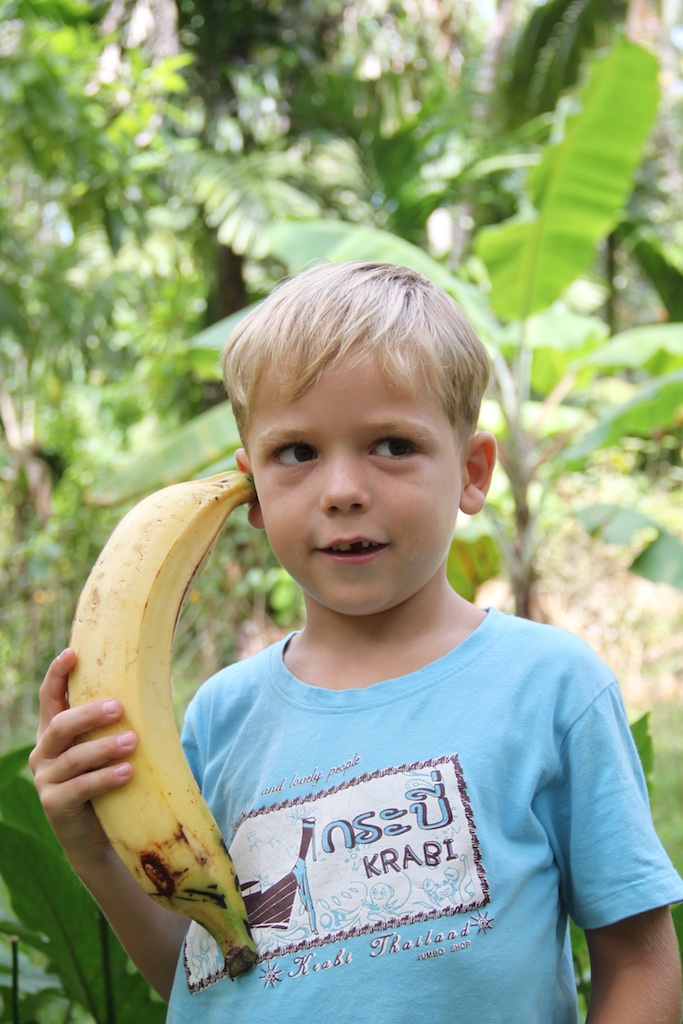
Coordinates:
14	945
109	1001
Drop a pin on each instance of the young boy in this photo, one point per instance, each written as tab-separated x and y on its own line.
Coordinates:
416	792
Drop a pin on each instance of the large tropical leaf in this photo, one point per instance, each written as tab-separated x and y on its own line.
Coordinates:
557	339
550	50
660	560
242	194
655	405
213	338
578	191
53	910
297	244
204	445
473	558
655	348
663	267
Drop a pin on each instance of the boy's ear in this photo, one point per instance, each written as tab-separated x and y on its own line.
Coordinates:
242	460
254	514
479	460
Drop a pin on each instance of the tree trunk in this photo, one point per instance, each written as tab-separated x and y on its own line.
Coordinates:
230	293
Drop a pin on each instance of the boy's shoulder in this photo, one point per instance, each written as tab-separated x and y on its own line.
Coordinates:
550	662
540	639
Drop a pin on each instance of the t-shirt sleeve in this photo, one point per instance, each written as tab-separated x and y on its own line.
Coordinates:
596	811
190	740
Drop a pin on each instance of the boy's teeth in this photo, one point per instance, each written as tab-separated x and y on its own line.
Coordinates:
359	545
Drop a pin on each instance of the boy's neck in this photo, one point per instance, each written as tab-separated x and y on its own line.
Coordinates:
340	652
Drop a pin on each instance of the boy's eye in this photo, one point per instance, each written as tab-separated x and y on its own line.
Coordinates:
395	447
294	454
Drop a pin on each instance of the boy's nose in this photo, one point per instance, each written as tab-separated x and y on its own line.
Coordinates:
344	489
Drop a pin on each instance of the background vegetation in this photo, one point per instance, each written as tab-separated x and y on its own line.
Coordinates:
164	165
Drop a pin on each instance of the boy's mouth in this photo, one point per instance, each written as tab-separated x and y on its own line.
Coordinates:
355	547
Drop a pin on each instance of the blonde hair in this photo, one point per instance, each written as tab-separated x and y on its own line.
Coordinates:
418	335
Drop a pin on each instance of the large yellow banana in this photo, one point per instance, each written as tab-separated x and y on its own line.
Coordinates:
159	823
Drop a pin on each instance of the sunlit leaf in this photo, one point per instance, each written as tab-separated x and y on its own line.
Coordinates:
298	244
656	405
184	454
657	348
57	913
473	558
244	194
659	265
660	561
642	737
213	338
613	523
556	337
577	192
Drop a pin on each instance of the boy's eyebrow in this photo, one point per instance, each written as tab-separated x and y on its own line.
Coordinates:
278	436
401	425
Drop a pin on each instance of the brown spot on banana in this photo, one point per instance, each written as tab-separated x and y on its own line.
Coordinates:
158	874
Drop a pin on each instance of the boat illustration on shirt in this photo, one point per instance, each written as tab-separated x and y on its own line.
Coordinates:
272	907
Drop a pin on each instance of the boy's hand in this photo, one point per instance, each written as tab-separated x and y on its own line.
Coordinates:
67	774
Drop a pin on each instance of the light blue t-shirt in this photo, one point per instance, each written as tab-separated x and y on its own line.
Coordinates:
410	851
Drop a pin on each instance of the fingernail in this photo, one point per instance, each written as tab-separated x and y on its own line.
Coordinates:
122	770
111	707
126	740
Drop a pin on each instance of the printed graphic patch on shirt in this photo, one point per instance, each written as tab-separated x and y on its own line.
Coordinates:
379	851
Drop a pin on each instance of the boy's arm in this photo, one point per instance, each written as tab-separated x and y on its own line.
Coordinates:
635	971
151	935
67	775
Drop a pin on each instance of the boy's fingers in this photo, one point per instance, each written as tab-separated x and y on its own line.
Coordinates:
81	760
66	726
53	692
57	757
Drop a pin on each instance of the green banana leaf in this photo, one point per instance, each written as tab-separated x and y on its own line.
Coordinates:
213	338
33	980
578	191
613	524
660	263
204	446
55	914
661	559
642	737
473	558
656	405
656	348
559	341
299	243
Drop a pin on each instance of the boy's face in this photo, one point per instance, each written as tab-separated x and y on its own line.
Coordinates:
359	487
